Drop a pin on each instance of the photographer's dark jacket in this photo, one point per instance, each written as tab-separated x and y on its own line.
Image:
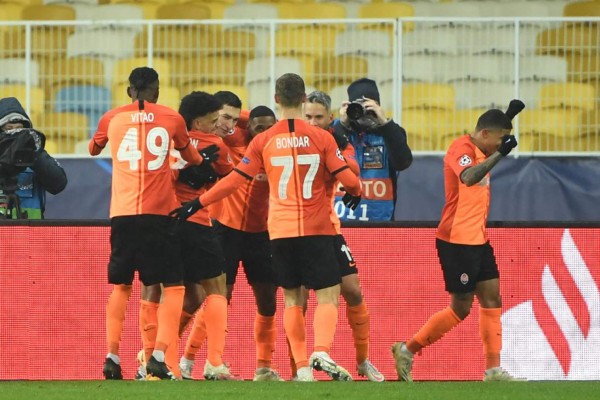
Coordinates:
45	175
380	153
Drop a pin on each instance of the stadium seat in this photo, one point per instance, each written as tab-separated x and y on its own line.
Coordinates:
217	8
567	95
582	9
110	12
259	69
362	43
387	10
186	40
53	12
430	42
72	71
183	11
36	100
422	68
314	12
583	67
123	68
250	11
549	130
428	96
543	69
66	128
483	94
417	124
568	39
455	9
260	93
93	101
590	131
296	42
14	70
487	68
529	93
380	69
338	95
448	126
238	42
333	71
212	69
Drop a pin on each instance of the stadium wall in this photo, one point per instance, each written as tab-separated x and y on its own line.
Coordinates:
523	189
54	292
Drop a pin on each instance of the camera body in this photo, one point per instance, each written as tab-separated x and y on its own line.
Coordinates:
359	117
18	150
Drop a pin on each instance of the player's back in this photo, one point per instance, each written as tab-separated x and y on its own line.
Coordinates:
140	142
298	159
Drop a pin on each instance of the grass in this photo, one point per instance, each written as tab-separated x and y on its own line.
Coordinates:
131	390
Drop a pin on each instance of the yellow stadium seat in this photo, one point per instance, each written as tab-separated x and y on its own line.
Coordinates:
387	10
567	95
52	12
582	9
590	131
36	105
304	41
341	70
212	69
183	11
417	124
450	125
237	42
51	146
428	96
314	12
583	67
72	71
66	128
280	1
549	130
186	40
568	39
123	68
239	90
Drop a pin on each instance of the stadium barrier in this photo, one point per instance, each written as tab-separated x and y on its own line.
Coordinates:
54	293
435	75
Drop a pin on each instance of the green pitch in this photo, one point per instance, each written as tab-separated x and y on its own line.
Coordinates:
131	390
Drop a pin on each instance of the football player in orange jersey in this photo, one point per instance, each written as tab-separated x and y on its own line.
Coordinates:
466	256
317	111
242	229
141	135
298	159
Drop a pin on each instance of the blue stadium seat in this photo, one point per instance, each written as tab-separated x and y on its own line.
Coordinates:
90	100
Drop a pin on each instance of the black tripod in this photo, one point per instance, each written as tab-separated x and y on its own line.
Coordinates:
10	205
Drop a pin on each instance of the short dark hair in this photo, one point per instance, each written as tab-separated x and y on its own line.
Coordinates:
493	119
198	104
141	77
290	90
261	111
228	98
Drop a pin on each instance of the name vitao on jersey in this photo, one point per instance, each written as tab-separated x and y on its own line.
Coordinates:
377	202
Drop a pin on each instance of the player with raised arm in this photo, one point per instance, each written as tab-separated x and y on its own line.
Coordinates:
298	160
466	256
141	134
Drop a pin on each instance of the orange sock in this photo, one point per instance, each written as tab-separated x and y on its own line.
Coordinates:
358	319
197	336
295	330
434	329
325	322
169	314
172	357
265	334
490	331
215	315
186	317
115	315
148	325
292	362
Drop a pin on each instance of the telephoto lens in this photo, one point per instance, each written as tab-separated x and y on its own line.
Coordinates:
355	110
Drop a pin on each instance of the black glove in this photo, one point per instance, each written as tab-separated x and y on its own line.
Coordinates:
197	176
349	200
186	210
509	142
340	136
210	154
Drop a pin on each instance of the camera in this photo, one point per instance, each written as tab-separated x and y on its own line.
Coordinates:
18	150
360	118
356	110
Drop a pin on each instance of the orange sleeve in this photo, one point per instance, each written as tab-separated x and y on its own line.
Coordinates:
100	138
252	160
461	157
224	165
181	139
244	119
350	181
223	188
350	155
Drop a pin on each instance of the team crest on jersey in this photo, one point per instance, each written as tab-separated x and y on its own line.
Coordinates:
464	161
246	160
464	279
339	154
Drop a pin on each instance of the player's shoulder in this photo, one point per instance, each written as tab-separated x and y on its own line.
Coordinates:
460	144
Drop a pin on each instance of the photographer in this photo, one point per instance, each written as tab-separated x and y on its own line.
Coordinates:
36	172
381	151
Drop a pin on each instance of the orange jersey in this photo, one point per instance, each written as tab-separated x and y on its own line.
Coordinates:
140	142
465	213
349	156
298	160
247	208
223	166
